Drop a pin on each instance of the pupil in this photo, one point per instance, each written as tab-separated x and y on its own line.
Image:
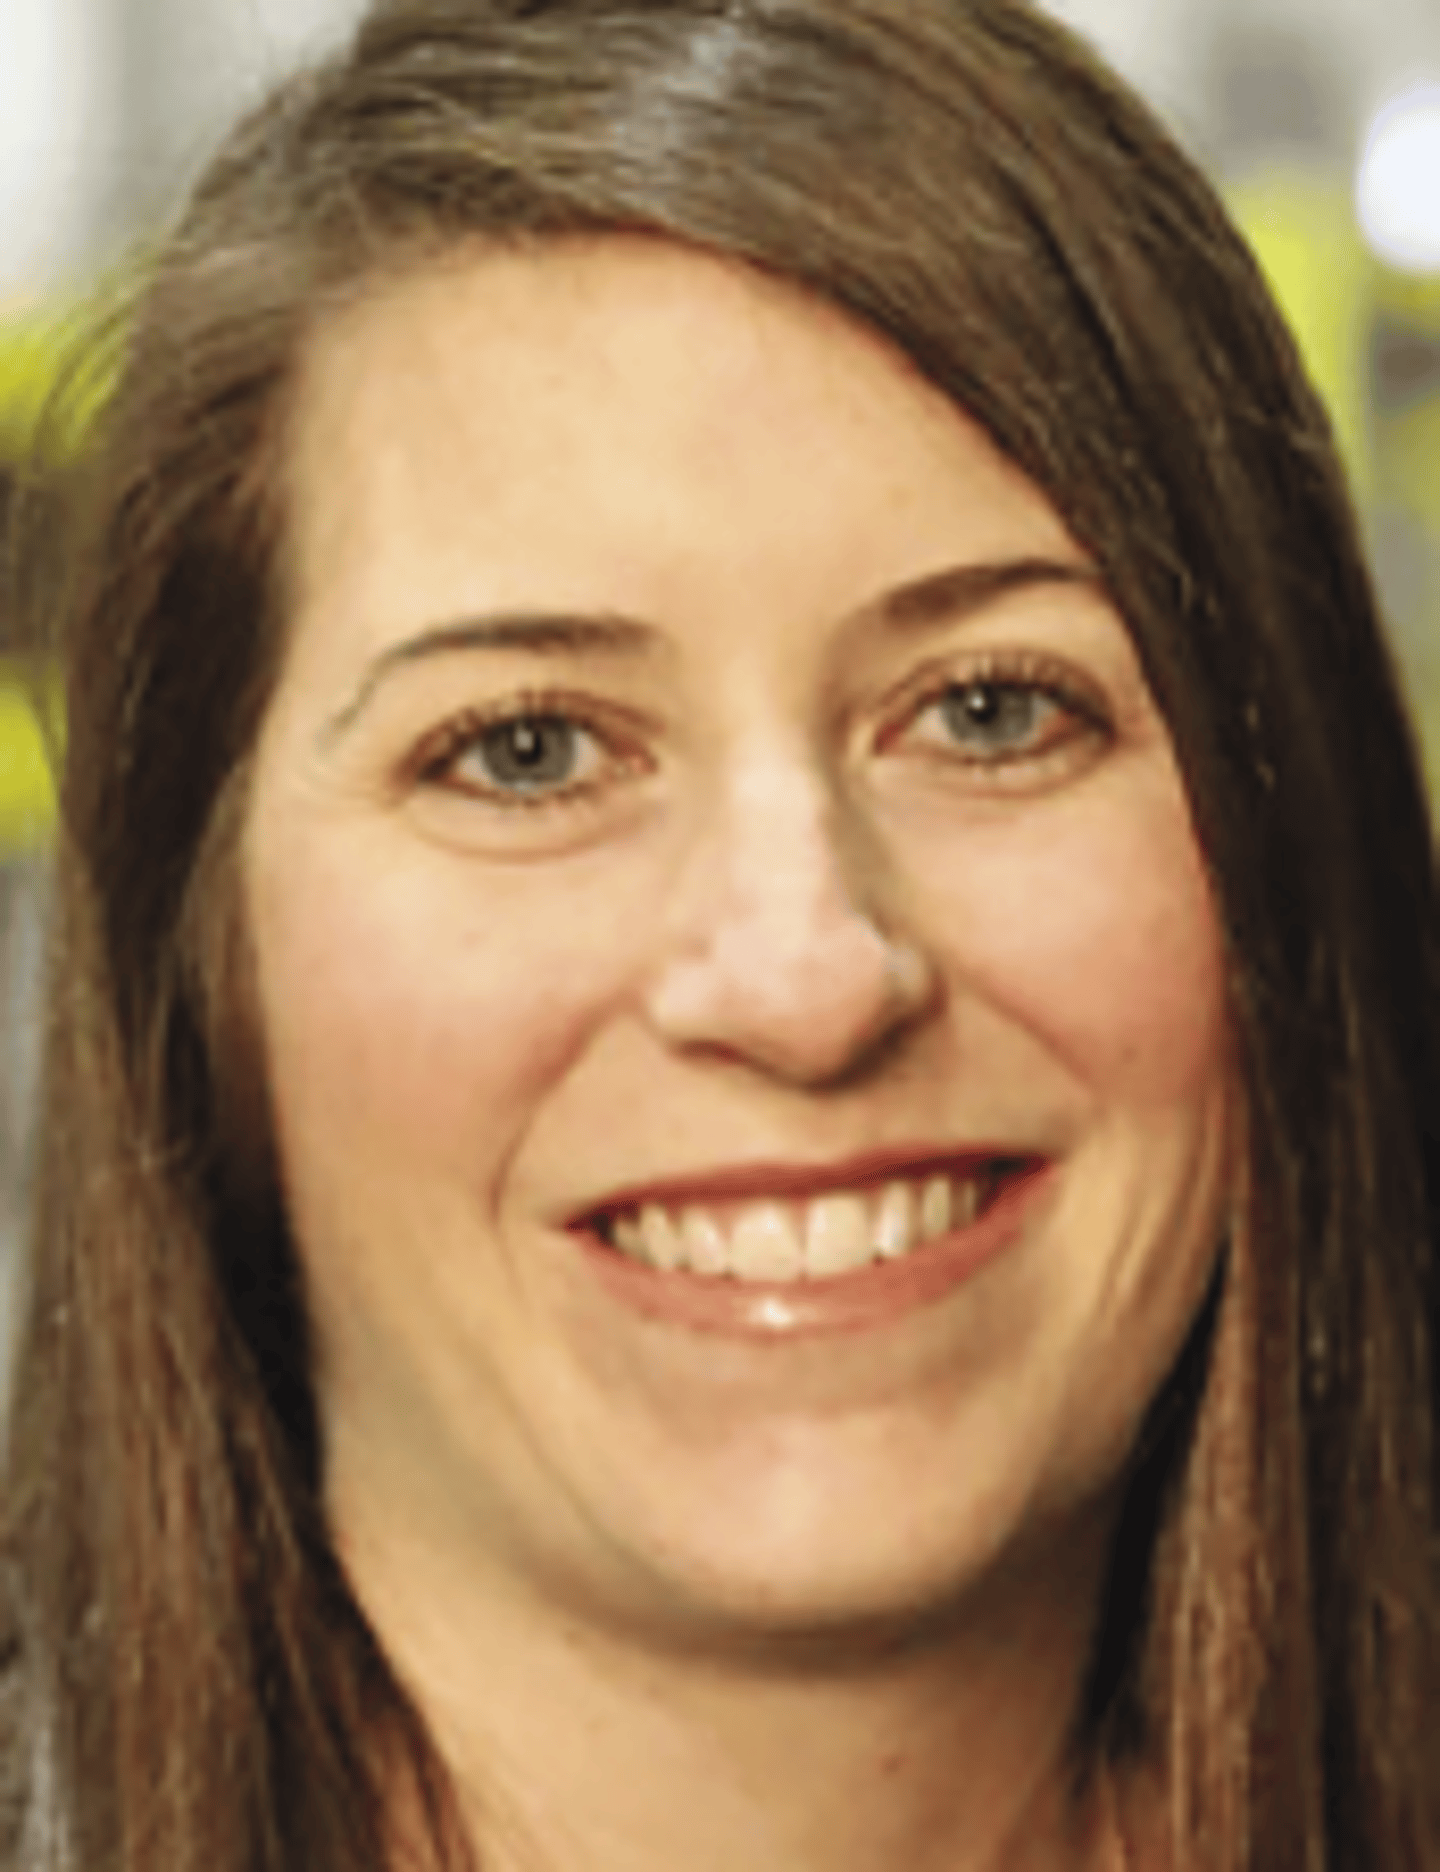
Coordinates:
536	750
527	744
995	710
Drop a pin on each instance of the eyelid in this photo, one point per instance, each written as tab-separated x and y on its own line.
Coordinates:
432	760
1056	678
1084	728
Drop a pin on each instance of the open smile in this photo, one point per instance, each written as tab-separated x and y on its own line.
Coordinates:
776	1249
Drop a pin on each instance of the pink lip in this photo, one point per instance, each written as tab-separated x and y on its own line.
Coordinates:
739	1182
865	1300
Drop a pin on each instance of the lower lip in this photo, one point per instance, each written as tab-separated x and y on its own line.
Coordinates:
869	1298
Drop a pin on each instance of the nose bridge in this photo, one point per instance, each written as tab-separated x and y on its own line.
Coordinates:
783	872
777	950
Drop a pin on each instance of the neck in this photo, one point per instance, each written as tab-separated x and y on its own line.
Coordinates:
577	1746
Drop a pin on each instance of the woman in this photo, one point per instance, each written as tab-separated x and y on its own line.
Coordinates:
744	1006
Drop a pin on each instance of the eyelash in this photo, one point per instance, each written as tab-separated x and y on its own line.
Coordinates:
435	761
1008	674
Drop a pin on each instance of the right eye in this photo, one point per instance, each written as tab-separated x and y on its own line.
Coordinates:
527	754
532	757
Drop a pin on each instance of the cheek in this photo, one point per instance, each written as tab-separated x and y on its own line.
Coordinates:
1098	934
414	1010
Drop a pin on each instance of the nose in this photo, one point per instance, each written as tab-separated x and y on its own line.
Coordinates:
770	955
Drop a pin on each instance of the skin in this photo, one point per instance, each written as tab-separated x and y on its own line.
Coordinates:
667	1596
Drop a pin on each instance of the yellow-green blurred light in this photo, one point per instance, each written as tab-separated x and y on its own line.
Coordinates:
27	800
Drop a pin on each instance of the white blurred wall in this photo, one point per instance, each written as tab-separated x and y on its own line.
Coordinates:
190	66
1160	45
59	134
106	105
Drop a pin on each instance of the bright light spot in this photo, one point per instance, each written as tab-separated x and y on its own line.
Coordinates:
1398	194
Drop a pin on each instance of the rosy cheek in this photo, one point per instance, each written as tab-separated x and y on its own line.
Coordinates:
1100	938
423	1007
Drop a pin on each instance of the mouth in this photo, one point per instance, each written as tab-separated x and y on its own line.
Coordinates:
786	1227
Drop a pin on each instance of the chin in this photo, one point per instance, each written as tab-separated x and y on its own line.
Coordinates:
788	1573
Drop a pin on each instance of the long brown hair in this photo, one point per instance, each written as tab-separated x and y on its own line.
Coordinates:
190	1684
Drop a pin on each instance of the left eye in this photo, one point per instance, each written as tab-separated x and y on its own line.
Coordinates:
994	720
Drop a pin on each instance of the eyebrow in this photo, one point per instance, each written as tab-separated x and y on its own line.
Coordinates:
538	633
946	597
951	596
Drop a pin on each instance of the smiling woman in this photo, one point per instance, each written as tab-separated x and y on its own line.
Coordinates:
759	871
745	1000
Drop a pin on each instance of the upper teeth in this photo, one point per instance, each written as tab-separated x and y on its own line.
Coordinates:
780	1240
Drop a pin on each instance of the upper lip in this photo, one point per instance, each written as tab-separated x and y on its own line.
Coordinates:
798	1181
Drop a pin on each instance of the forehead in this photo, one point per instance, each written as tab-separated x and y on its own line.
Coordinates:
584	308
627	390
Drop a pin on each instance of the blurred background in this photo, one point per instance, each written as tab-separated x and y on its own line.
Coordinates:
1319	118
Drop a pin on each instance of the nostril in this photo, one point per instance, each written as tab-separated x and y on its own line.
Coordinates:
810	1009
772	947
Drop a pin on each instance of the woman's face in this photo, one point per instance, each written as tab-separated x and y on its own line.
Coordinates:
709	813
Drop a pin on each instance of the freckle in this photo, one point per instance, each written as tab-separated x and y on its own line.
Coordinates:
891	1764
